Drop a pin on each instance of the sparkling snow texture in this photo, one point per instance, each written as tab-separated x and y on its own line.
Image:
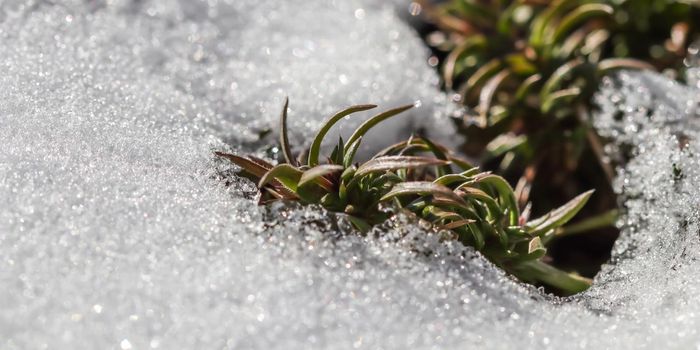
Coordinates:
116	231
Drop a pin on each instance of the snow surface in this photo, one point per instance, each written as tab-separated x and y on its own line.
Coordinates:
117	232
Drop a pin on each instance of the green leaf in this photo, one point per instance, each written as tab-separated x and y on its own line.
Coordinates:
251	167
436	214
350	153
284	139
557	78
505	19
286	174
370	123
610	64
331	201
540	271
317	175
527	86
535	249
449	179
594	41
457	224
542	21
440	153
520	65
559	216
480	77
481	196
580	14
395	163
572	42
360	224
477	235
606	219
504	143
463	164
467	46
505	193
556	98
489	90
338	154
421	188
475	12
315	148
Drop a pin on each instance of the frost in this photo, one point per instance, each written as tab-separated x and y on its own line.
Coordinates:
117	230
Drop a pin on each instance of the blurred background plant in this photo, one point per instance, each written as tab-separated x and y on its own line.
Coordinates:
526	70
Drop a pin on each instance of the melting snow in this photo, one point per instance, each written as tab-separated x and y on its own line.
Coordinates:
117	232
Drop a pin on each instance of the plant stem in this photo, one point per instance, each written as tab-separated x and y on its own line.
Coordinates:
606	219
566	282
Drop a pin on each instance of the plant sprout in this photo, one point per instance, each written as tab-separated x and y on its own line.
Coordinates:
421	177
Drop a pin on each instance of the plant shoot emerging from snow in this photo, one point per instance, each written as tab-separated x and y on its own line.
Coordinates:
421	177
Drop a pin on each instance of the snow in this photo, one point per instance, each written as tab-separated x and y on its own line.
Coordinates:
118	232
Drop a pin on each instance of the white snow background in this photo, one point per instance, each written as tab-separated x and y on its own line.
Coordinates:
116	231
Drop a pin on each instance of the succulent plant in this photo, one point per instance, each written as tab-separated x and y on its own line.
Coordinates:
527	68
425	179
526	71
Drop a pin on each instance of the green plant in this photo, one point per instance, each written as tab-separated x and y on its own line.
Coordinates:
526	69
418	176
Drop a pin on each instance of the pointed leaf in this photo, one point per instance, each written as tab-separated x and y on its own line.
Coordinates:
359	224
248	165
316	144
506	194
338	154
527	86
558	76
422	188
284	139
456	224
477	235
594	41
610	64
558	97
481	196
465	47
540	271
535	245
317	175
350	153
480	77
461	163
370	123
286	174
573	42
577	16
449	179
440	153
265	164
395	163
559	216
541	23
438	214
520	65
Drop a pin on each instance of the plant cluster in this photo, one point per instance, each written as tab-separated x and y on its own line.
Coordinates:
526	70
423	178
530	67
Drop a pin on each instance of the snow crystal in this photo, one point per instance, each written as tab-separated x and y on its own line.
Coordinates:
117	230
